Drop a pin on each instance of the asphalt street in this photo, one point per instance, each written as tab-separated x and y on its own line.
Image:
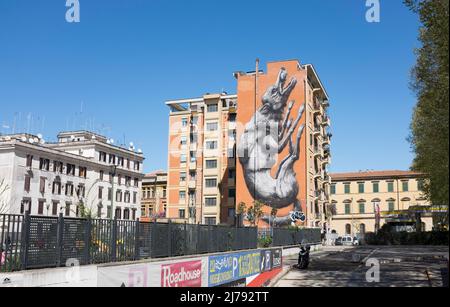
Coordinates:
399	266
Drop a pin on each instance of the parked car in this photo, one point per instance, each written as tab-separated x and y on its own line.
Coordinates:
347	241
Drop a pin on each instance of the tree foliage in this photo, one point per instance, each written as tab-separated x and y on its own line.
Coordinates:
429	128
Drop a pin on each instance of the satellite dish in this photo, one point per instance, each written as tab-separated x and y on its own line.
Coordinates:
36	140
39	136
7	138
31	140
93	137
140	151
131	144
112	141
108	142
23	139
42	141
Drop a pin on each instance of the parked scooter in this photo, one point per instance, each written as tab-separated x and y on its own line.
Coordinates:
303	258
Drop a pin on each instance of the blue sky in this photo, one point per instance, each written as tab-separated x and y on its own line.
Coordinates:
125	58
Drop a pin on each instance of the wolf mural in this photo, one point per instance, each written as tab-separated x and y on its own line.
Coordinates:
266	135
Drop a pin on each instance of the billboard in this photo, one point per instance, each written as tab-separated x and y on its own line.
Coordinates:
227	268
182	274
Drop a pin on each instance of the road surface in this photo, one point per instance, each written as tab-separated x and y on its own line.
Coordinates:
400	266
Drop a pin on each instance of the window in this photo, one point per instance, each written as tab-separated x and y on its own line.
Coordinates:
99	210
81	190
56	189
420	185
362	228
347	208
210	164
183	141
133	214
102	175
193	155
231	193
83	172
135	198
211	145
348	229
44	164
183	176
231	212
112	159
126	214
70	169
333	189
119	179
182	195
231	174
232	117
182	213
347	188
390	187
41	207
25	206
405	186
27	185
362	208
136	182
376	187
118	213
67	213
184	122
212	126
192	175
210	221
211	108
69	189
58	167
211	183
361	187
100	192
29	161
102	156
210	201
110	194
391	206
137	165
127	197
127	181
55	205
183	158
119	196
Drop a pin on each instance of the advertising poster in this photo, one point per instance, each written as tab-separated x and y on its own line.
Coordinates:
187	273
231	267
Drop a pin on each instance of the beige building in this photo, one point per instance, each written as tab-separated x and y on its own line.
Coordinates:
357	197
154	196
201	158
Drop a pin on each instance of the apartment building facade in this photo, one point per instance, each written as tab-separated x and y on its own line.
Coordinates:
279	95
365	201
201	164
154	196
82	173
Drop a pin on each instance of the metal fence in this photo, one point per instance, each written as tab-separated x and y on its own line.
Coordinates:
286	236
31	242
290	236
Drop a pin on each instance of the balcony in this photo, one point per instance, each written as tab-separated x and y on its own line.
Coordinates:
193	165
326	121
231	162
317	131
325	103
192	184
318	152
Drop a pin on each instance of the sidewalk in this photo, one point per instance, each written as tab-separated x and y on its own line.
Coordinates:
289	261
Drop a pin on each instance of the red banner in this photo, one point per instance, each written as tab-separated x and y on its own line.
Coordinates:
183	274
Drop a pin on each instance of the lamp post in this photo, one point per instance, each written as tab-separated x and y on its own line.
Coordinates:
113	175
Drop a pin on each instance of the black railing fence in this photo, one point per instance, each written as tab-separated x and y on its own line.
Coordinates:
290	236
31	242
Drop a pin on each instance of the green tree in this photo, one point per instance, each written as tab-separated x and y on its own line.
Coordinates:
429	128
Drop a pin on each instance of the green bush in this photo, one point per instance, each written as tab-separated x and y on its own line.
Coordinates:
265	242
